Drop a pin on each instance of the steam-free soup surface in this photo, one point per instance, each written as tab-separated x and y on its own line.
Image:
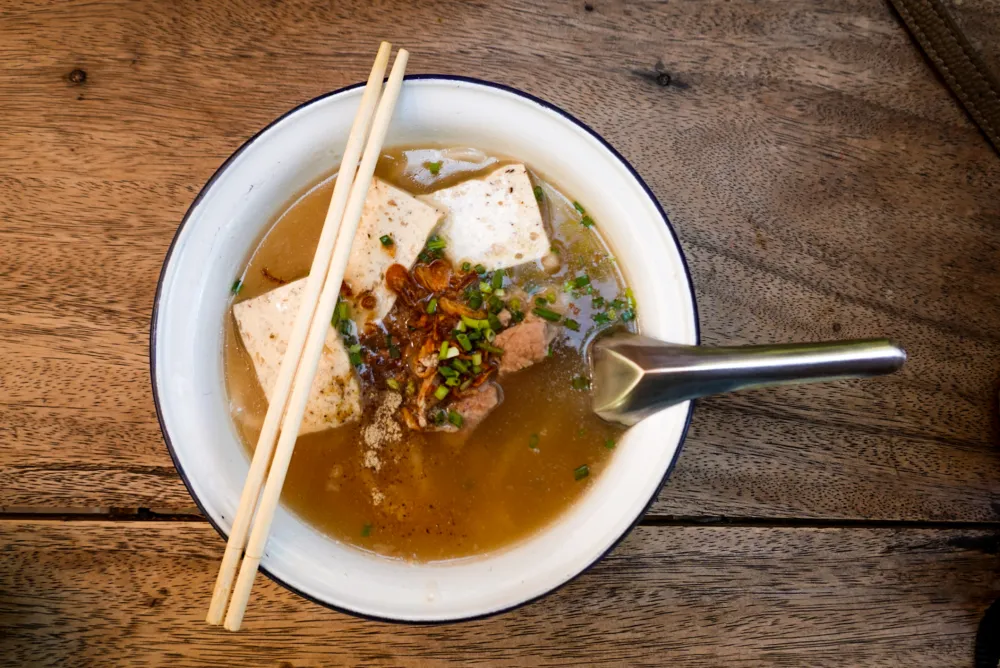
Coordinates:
439	495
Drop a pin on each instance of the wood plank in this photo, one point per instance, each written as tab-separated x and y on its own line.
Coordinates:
822	181
80	592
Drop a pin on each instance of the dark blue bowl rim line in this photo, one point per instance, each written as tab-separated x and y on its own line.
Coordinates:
208	185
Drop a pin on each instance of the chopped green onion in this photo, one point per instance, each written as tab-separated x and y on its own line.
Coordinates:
460	366
609	444
455	418
541	301
515	304
490	349
581	280
473	323
474	335
464	386
551	296
466	266
480	269
477	359
517	316
436	243
597	302
393	384
386	240
485	287
539	193
580	383
461	326
494	321
452	352
533	441
475	301
344	310
355	358
587	221
432	305
463	341
581	472
366	530
601	318
490	335
411	388
497	280
500	292
433	167
356	348
452	382
496	304
571	324
542	312
548	353
441	392
578	207
443	353
237	286
440	417
476	369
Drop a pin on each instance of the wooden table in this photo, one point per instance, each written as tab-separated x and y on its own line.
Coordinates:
823	183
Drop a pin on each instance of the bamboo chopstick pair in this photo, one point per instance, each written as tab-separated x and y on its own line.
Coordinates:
305	346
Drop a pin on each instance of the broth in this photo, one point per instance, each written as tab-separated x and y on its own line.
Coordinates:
434	496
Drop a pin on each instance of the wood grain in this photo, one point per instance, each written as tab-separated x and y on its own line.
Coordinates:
822	181
680	596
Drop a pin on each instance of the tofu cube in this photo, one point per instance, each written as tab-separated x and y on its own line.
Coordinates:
493	221
408	222
265	325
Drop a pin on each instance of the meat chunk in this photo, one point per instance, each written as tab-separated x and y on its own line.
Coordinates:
473	407
524	344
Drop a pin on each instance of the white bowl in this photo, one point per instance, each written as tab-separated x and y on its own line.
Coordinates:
213	243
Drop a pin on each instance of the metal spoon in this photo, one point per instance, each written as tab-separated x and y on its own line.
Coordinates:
636	376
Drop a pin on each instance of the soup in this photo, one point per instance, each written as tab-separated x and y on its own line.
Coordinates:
474	428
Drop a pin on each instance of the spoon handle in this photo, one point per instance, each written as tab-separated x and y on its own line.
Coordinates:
653	375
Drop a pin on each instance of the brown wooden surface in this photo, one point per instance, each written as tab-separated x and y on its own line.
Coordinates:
703	596
823	184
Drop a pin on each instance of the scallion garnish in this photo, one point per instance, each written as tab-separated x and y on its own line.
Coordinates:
393	384
578	207
475	301
461	326
494	322
581	280
411	388
601	318
581	472
597	302
543	312
515	303
495	304
344	310
465	385
490	348
433	167
466	266
443	353
441	392
237	286
489	334
485	287
355	358
386	240
463	341
477	359
571	324
609	444
460	366
587	221
539	193
432	305
436	243
455	418
533	441
440	417
452	382
497	280
480	269
541	301
452	352
580	383
366	530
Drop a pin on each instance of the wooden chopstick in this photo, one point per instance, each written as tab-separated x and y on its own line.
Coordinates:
297	340
314	346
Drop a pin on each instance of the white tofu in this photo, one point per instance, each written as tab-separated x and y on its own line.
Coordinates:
265	325
493	221
388	210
